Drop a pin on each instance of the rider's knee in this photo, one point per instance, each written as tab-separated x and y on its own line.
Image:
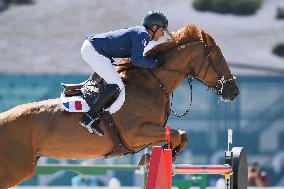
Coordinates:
118	102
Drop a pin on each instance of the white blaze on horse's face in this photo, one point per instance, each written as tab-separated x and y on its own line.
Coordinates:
226	85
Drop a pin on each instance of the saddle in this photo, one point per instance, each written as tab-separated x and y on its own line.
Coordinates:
75	89
85	94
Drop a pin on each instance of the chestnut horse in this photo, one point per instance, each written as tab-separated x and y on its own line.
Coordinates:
43	128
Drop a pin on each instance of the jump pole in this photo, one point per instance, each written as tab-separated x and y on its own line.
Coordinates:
161	167
201	169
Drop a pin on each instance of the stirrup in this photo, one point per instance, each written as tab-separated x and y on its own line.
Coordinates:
92	125
97	130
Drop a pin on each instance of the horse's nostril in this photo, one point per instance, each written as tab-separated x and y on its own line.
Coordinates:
236	92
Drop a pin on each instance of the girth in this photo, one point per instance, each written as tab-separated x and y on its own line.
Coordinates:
119	149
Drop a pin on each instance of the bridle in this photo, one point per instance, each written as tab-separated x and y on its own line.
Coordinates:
190	76
221	77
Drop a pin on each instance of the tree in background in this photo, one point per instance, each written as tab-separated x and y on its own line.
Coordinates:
280	13
4	4
237	7
279	49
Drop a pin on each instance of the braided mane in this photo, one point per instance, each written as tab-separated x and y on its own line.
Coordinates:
187	34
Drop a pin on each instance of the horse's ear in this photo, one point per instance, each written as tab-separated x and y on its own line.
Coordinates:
208	40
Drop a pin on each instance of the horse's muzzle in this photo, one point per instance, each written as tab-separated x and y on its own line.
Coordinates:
230	91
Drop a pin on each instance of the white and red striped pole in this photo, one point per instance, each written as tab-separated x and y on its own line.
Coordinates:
201	169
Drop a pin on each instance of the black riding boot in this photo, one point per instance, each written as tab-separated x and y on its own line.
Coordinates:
103	101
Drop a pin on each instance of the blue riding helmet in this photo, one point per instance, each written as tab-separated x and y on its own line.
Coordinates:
156	18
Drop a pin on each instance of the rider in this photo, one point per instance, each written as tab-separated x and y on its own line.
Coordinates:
98	51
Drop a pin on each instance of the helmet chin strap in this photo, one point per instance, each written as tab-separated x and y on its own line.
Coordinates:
169	33
154	32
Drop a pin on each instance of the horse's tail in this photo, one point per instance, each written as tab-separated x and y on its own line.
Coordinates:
12	114
3	119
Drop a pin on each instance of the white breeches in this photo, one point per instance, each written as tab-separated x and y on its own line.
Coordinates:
103	67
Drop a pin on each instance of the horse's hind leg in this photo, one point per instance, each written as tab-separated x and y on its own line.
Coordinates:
8	178
3	182
15	169
7	181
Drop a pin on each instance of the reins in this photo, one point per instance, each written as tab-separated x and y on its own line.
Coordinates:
190	77
167	95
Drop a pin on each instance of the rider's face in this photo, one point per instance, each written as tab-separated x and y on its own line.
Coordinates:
159	33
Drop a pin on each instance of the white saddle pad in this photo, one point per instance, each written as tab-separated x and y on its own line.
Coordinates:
74	104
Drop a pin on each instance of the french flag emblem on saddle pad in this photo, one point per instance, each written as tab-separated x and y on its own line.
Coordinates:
74	104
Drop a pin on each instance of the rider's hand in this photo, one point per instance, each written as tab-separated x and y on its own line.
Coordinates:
159	59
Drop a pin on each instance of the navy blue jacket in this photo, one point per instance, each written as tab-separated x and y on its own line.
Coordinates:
124	43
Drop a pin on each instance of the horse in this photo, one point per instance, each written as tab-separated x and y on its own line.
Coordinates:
30	131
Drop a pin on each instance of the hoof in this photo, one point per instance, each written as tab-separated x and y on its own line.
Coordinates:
145	160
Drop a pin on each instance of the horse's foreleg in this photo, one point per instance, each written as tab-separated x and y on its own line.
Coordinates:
150	134
178	142
178	149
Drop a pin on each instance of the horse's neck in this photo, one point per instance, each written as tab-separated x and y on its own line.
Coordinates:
177	59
